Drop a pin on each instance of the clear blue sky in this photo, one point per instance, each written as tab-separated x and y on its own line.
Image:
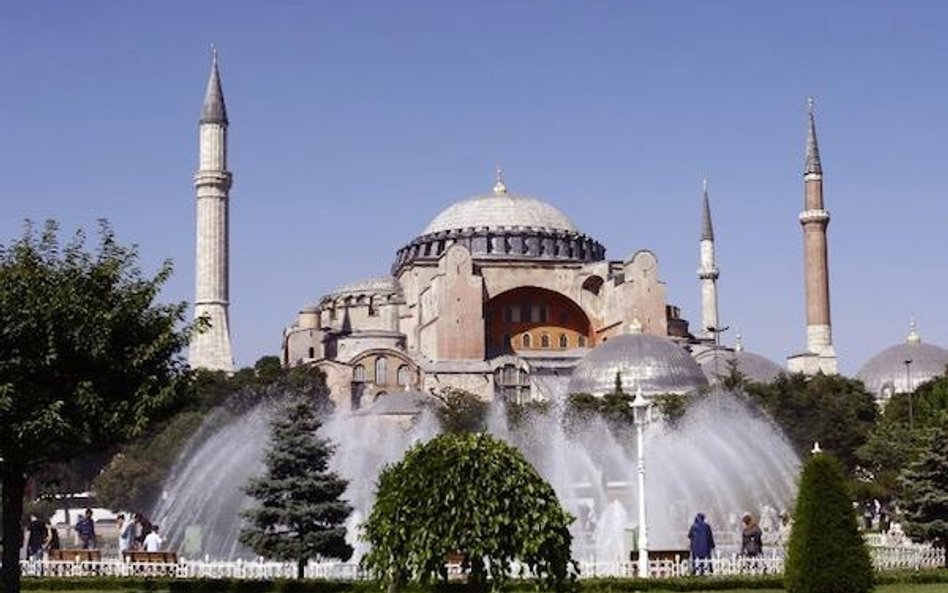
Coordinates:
354	123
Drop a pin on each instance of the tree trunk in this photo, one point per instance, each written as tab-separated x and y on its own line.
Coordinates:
300	567
14	484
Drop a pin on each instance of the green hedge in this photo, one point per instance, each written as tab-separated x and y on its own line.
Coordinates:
597	585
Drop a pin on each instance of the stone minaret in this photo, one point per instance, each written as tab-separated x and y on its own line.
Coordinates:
708	271
819	355
211	349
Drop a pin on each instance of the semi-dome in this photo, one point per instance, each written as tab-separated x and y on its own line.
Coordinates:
656	364
500	210
755	367
887	372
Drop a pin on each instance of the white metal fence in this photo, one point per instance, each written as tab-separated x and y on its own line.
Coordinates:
885	558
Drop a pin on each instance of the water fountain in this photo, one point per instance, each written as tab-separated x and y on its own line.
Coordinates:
722	458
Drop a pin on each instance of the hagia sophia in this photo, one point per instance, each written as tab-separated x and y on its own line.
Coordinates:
502	295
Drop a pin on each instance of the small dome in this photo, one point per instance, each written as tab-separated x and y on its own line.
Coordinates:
887	372
656	364
500	209
755	367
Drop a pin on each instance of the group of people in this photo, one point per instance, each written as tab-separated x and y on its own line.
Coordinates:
701	538
138	533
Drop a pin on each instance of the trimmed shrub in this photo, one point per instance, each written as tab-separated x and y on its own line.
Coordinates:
827	554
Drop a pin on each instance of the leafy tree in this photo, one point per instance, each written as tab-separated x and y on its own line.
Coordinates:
929	400
924	500
87	358
890	447
673	406
299	514
519	415
462	411
836	411
469	496
826	550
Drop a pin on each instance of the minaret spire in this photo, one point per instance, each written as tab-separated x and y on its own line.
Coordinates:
707	270
820	356
213	110
211	348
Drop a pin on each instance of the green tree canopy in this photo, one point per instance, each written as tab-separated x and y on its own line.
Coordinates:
469	496
924	498
826	550
87	357
299	515
836	411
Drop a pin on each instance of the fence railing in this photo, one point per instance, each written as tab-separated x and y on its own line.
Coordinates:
885	558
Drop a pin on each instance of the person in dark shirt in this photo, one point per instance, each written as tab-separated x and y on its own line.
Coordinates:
36	537
85	527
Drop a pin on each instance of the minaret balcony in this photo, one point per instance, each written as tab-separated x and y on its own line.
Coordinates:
814	216
708	273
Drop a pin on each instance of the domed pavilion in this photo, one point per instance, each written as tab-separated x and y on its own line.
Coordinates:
903	367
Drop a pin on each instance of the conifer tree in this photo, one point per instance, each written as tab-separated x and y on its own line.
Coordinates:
300	515
924	500
826	552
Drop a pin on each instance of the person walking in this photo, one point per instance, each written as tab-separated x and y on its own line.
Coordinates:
85	528
702	544
52	539
35	536
126	529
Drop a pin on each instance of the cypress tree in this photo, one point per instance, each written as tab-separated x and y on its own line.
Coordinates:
300	516
827	554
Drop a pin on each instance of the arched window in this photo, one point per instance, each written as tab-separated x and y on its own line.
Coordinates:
544	340
527	342
582	341
403	375
358	373
380	367
312	352
564	341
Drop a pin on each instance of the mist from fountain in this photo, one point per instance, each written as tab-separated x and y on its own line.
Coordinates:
723	458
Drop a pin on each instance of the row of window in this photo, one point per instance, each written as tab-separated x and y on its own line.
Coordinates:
403	375
527	341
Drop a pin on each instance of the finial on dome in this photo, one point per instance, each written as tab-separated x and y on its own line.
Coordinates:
499	188
636	326
913	337
738	343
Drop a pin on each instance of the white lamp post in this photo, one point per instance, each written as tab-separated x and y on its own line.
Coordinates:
640	407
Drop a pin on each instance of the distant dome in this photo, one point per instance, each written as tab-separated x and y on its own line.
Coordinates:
886	372
755	367
654	363
500	209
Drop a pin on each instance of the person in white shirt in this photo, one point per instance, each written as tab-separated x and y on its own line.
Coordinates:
126	534
153	540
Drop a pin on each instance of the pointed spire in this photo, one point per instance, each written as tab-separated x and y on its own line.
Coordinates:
913	336
499	188
707	231
213	110
812	149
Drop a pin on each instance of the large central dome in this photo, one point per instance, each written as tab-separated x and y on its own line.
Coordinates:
501	226
500	210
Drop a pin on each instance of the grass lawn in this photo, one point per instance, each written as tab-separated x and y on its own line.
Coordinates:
930	588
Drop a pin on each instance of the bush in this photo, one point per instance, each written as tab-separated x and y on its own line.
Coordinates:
826	552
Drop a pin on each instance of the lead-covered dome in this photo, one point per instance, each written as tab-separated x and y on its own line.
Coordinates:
500	210
757	368
887	372
501	226
656	364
